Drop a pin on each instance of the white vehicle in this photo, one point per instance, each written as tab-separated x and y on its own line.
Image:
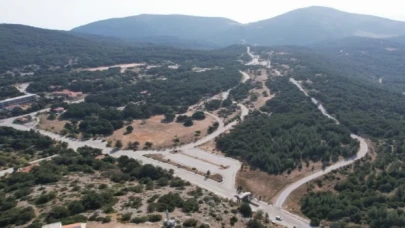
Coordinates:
279	218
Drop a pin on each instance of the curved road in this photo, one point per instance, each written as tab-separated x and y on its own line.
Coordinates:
363	149
224	189
282	197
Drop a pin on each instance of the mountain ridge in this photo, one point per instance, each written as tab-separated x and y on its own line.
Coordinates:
297	27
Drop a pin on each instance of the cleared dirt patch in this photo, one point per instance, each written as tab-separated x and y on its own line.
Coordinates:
267	186
161	134
262	94
161	158
210	146
122	66
55	126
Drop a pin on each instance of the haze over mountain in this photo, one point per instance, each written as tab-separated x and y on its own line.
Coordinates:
301	26
144	27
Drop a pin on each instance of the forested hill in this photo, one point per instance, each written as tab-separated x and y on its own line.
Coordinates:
400	39
372	191
373	58
146	25
24	45
295	133
297	27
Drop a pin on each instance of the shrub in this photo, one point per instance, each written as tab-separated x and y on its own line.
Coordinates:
188	122
245	210
126	217
154	218
138	220
233	220
190	205
106	219
190	223
198	116
75	207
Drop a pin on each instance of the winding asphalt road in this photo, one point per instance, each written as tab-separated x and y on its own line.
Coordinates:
224	189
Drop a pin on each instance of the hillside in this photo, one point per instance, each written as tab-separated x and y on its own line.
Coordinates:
24	45
313	24
400	39
371	191
382	60
143	26
301	26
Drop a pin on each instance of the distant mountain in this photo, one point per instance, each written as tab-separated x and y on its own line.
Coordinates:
301	26
147	26
25	45
400	39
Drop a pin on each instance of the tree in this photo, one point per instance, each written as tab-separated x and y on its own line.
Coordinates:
58	212
118	144
148	145
181	118
315	222
169	117
245	210
254	223
208	173
190	205
75	207
190	223
133	146
188	122
129	129
198	115
233	220
259	215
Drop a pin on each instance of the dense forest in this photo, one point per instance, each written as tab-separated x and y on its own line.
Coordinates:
24	45
19	147
373	58
9	91
183	89
293	133
363	106
373	191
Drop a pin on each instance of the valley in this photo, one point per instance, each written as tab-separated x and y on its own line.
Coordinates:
192	157
191	121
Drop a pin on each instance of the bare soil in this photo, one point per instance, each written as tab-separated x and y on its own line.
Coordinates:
55	126
161	158
267	186
122	66
261	77
162	134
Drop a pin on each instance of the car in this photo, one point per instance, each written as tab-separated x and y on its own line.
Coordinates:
279	218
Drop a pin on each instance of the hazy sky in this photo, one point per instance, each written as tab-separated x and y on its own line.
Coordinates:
67	14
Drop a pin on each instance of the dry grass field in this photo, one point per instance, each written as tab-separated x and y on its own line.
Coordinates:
55	126
162	134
